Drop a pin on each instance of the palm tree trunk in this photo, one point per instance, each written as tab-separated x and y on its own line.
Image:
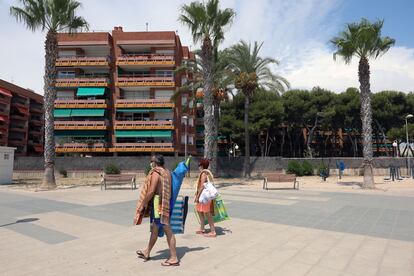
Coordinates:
210	137
51	49
216	128
366	117
246	137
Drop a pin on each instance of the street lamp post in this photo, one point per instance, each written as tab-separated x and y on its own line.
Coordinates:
185	118
234	148
408	142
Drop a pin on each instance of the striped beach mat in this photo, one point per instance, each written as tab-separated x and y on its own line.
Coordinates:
179	215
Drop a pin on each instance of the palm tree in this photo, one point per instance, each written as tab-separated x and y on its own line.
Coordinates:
364	41
51	16
251	72
206	22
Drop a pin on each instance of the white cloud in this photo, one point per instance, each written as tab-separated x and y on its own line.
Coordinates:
294	32
393	71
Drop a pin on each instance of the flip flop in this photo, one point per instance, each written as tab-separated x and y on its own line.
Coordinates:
142	255
167	263
210	235
200	232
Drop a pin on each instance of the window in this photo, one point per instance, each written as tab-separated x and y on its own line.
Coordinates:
65	74
163	94
184	100
6	156
191	121
190	140
164	73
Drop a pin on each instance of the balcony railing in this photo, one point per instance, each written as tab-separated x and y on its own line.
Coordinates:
82	61
144	125
80	103
146	59
81	147
142	147
82	81
17	141
19	117
143	103
62	125
145	80
36	110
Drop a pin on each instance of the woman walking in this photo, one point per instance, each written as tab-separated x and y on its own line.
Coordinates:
204	210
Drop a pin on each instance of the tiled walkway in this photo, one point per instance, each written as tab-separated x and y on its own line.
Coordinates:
84	231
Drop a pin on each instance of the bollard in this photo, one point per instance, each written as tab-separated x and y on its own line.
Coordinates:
392	173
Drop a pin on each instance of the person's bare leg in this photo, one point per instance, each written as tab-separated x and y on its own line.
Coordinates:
152	240
172	245
202	219
211	223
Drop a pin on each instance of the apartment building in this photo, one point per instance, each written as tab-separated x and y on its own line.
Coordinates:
21	119
114	94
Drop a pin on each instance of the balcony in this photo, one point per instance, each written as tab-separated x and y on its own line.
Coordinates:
19	117
36	110
85	125
125	103
80	104
81	61
146	60
145	80
35	122
17	141
144	125
80	147
85	81
17	128
142	147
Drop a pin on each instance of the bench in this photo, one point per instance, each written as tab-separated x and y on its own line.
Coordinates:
279	178
118	179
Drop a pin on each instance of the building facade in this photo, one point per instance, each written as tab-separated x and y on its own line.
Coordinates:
114	94
21	119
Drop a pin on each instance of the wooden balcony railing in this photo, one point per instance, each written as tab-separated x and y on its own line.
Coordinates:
143	103
142	147
80	147
82	81
146	59
62	125
144	125
80	103
145	80
82	61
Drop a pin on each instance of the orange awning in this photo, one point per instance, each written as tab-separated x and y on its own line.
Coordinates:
5	92
22	110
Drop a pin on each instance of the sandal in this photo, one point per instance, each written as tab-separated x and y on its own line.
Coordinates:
200	231
142	255
210	235
167	263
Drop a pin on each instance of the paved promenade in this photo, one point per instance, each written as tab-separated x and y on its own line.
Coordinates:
85	231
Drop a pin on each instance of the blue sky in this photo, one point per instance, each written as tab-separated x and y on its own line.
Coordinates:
398	16
295	32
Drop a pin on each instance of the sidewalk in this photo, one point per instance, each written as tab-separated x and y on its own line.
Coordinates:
85	231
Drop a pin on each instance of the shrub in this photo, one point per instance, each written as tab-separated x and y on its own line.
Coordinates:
307	168
112	169
63	173
295	167
323	170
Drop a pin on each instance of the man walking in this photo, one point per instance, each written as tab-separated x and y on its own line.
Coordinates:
154	201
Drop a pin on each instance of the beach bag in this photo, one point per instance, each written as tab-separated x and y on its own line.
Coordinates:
179	215
209	193
220	212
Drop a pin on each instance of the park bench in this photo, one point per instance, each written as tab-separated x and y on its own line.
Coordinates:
108	179
279	178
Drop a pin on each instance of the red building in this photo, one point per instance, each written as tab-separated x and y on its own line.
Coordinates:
21	119
114	94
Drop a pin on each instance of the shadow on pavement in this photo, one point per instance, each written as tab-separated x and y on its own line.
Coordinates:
20	221
181	251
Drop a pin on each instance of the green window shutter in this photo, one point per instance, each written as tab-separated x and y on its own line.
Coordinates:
59	113
90	91
142	134
88	112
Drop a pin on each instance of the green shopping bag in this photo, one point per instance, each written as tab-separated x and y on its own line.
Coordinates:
220	212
